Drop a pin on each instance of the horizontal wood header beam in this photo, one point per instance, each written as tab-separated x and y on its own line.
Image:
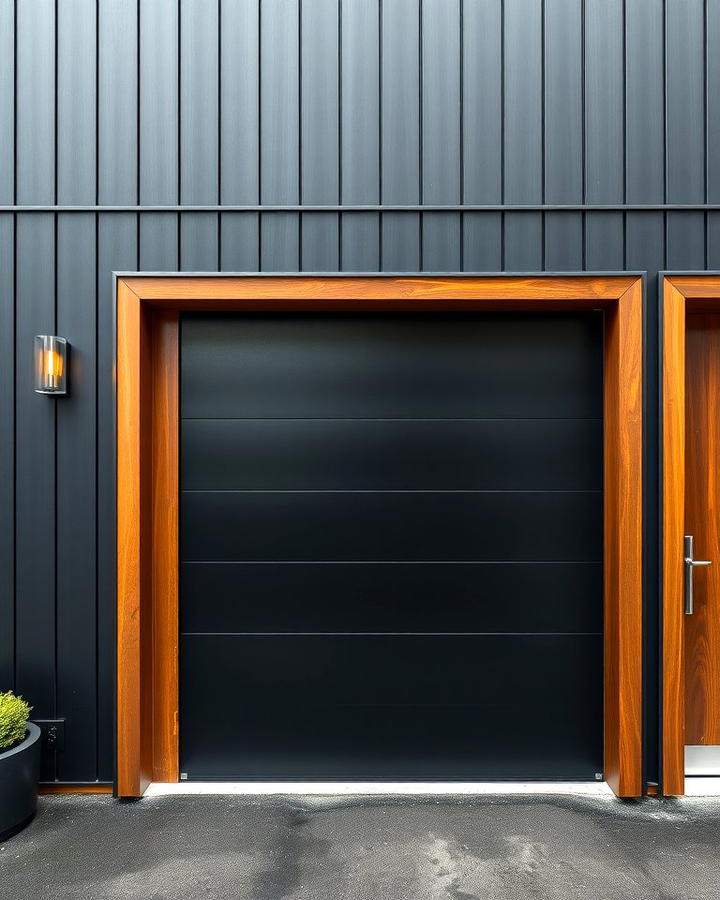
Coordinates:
593	288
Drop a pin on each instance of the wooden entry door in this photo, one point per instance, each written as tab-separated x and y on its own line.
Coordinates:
690	508
702	523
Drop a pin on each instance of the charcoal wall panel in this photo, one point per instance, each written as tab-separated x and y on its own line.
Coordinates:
441	139
76	571
35	507
240	133
685	85
159	136
562	132
118	76
7	101
76	498
360	132
199	133
645	112
604	126
7	452
76	95
522	139
117	251
712	99
400	175
35	101
279	133
320	123
482	133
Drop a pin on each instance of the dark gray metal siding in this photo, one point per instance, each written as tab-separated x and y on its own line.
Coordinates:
256	103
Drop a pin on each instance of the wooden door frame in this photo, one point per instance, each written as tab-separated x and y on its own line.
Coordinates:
680	292
147	372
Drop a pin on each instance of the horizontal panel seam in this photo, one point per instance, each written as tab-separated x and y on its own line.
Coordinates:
391	633
353	491
378	208
390	419
392	562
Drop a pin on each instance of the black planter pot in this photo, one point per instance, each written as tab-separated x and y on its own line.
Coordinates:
19	774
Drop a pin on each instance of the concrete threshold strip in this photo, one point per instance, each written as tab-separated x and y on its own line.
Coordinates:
697	786
384	788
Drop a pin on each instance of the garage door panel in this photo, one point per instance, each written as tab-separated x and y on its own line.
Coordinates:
375	706
341	454
368	366
391	546
241	597
429	526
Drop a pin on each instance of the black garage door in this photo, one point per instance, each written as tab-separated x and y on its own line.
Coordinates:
391	546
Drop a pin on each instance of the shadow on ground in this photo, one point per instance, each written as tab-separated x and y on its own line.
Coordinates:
369	848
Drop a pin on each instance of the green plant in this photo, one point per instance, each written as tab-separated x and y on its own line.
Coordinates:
14	713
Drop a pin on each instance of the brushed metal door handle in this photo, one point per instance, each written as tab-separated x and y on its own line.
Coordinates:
690	564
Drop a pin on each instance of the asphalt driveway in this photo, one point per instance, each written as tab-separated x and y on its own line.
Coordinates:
365	848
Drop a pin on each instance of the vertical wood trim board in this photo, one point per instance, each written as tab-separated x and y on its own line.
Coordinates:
623	543
164	570
673	515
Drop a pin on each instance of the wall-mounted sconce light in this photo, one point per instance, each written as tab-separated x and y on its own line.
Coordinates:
50	364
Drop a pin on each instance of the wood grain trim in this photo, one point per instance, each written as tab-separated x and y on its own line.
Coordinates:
79	788
131	337
147	509
694	287
673	528
147	363
165	493
623	544
382	288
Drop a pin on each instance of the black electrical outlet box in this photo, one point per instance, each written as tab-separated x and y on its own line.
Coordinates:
53	733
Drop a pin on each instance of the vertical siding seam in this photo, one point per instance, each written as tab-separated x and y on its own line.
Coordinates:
179	132
705	103
665	132
583	149
97	480
137	125
665	107
97	392
706	247
15	109
543	215
259	135
380	132
300	135
55	120
421	108
625	130
97	110
502	133
339	132
55	406
219	128
14	415
625	105
461	100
